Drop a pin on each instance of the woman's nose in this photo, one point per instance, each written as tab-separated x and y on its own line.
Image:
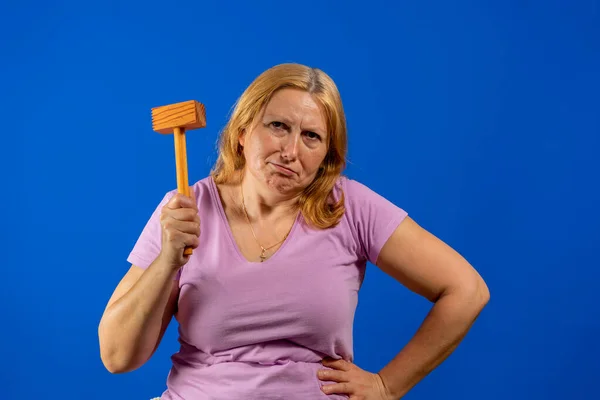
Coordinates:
290	145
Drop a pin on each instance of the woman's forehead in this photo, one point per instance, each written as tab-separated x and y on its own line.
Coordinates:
296	107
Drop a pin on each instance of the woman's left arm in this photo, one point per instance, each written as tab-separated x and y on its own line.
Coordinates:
431	268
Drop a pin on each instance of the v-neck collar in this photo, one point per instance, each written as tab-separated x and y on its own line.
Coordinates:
219	205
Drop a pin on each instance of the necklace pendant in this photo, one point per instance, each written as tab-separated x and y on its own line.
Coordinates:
262	255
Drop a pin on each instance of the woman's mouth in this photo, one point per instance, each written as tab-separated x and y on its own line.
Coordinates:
283	170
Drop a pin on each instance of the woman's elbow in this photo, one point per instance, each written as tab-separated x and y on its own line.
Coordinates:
470	295
116	364
114	359
113	367
476	294
484	293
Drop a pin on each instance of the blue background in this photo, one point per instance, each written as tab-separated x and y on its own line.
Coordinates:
481	119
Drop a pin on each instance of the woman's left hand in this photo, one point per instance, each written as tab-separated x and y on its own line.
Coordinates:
353	381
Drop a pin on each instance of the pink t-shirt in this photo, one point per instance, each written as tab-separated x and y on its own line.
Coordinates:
251	330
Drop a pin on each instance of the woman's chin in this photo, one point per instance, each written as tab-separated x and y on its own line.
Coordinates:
282	184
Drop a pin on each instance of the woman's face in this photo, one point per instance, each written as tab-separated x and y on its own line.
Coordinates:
288	142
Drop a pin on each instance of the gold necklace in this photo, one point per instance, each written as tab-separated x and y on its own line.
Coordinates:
262	256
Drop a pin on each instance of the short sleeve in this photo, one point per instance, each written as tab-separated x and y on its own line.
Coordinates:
148	244
373	217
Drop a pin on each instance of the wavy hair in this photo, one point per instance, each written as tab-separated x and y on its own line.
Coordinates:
314	202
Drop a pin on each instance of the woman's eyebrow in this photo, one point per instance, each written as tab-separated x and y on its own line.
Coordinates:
288	121
278	117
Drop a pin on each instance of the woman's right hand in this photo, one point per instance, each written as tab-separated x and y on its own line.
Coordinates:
180	225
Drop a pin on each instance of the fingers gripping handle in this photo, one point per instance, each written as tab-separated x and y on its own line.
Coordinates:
181	168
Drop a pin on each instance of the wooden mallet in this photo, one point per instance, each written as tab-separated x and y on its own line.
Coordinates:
177	119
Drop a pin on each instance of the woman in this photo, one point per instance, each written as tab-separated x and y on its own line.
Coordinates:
266	302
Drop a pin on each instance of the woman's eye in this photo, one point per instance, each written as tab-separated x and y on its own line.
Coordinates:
278	125
313	136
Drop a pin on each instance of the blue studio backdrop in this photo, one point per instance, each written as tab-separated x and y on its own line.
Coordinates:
481	119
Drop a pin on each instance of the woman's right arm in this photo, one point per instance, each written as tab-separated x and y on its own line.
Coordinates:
137	316
144	302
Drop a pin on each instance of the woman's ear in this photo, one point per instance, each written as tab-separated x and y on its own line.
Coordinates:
242	137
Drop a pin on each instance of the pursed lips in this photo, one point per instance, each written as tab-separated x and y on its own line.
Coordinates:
284	168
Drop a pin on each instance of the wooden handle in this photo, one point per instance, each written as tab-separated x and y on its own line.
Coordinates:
181	168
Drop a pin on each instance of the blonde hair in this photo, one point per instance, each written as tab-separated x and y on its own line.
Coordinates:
314	202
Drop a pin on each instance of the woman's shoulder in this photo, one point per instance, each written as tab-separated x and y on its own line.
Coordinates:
359	197
353	189
201	190
203	185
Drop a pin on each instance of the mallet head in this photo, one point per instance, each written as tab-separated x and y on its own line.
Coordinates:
186	115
